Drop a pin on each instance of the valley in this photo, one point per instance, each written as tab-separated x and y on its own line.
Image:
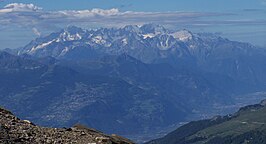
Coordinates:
146	78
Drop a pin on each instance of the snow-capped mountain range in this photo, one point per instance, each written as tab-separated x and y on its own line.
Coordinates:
148	43
142	77
151	43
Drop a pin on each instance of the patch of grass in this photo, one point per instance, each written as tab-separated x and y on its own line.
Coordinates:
248	120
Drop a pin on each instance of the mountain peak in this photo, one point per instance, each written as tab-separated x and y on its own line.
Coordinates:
73	29
132	28
4	54
153	28
71	33
183	35
149	42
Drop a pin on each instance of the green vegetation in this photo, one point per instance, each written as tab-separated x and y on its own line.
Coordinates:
247	126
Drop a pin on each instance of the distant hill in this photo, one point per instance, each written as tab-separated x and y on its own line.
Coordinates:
248	125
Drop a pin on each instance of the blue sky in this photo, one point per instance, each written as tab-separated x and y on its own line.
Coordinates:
146	5
241	20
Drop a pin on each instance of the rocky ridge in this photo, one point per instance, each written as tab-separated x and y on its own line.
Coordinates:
14	130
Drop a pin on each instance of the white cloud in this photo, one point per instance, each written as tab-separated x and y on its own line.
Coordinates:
28	17
29	14
89	13
33	16
5	10
19	7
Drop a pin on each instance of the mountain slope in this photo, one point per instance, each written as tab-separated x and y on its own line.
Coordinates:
148	43
135	76
14	130
245	126
109	94
205	53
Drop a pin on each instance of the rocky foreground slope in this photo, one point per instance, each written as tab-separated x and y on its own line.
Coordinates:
14	130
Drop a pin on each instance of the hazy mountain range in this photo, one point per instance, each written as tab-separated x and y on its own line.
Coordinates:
145	78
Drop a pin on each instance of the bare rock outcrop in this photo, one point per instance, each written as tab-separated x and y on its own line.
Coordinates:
14	130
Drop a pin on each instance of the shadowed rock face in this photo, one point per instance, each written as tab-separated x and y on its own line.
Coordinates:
14	130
